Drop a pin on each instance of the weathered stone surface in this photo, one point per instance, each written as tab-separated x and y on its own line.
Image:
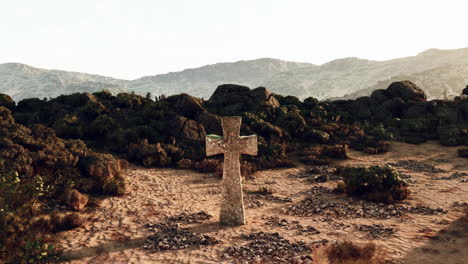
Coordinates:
186	105
76	200
188	129
232	206
407	91
211	123
231	99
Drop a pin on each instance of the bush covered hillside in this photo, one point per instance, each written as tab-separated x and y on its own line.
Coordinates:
38	170
171	131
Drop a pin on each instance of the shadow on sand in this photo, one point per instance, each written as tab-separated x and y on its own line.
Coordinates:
448	246
112	246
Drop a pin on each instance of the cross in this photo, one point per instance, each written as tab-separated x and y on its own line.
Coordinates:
231	145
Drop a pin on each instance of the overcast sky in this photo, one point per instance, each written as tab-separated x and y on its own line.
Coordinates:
132	38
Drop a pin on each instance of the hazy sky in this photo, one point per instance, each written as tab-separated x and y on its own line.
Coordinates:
129	39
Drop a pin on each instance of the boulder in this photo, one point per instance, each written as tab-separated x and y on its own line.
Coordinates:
6	101
465	91
407	91
211	123
379	96
76	200
396	106
231	99
148	154
185	129
186	105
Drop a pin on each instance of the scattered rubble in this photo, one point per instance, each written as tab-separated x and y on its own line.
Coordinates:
460	204
425	210
455	176
376	231
269	248
252	201
317	174
416	166
317	204
293	225
190	218
172	237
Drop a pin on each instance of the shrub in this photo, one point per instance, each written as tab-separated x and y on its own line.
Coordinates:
380	184
335	151
317	136
347	252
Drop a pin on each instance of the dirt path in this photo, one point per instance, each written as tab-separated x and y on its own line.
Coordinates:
118	227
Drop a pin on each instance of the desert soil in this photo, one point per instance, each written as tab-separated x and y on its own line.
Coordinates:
117	227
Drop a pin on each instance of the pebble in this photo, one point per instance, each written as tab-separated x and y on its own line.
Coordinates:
190	218
269	248
416	166
293	225
172	237
317	204
376	230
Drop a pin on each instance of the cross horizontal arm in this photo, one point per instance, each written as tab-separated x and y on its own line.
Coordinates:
214	145
249	145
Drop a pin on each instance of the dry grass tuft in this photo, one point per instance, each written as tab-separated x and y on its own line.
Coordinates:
348	252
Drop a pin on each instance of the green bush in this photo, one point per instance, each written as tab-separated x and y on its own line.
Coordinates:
375	183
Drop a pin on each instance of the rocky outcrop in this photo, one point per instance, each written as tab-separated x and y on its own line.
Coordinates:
407	91
186	105
185	129
231	99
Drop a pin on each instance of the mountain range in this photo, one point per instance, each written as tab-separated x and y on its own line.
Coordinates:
439	72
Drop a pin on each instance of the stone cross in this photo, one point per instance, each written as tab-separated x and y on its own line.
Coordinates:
231	145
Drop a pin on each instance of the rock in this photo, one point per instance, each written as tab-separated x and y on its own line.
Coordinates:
76	200
188	129
407	91
417	166
320	178
379	96
172	237
186	105
211	123
189	218
148	154
376	230
6	101
465	91
231	99
269	248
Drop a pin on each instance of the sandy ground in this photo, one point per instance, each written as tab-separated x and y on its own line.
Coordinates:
118	226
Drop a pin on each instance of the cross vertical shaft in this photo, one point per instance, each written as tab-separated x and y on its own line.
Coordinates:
232	205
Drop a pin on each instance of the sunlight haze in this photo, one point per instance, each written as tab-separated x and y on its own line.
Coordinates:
130	39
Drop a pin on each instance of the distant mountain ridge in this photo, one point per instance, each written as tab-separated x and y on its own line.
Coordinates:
439	72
